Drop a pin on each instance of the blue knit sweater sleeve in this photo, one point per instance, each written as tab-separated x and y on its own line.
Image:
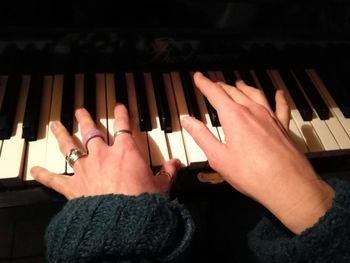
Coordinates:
119	228
327	241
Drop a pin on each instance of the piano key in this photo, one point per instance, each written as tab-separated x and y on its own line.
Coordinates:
36	150
33	108
337	87
195	156
90	94
228	77
3	81
312	94
9	104
13	150
298	97
174	138
162	102
140	136
156	137
340	124
101	105
311	137
212	112
142	103
121	91
55	161
78	103
67	111
266	85
322	128
190	97
205	114
111	99
297	137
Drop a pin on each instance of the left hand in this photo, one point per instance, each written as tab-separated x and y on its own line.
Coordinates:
116	169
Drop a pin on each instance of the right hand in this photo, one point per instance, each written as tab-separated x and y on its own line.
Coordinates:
258	158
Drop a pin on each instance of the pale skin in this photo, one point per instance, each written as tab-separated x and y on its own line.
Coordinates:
258	157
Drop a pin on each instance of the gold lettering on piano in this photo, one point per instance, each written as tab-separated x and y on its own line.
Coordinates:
210	177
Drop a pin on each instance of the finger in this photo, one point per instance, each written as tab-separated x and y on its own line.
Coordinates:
282	109
236	94
167	175
86	125
254	94
64	140
214	93
60	183
121	122
210	145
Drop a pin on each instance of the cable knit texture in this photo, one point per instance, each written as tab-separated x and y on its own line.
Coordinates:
119	228
327	241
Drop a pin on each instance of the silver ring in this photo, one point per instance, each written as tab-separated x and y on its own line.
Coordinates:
74	155
118	132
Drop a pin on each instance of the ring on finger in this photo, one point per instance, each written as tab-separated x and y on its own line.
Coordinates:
92	134
162	172
74	155
119	132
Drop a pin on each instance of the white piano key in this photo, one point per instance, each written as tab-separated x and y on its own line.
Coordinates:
195	156
297	137
101	104
36	150
78	103
156	137
305	128
110	104
337	123
320	126
140	137
55	161
175	141
13	149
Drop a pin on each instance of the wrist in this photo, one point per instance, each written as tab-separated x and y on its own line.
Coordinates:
299	201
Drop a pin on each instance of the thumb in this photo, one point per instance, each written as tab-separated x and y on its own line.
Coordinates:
167	175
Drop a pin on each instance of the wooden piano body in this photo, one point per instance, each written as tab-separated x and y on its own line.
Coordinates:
257	41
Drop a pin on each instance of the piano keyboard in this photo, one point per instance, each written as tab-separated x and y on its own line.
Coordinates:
156	103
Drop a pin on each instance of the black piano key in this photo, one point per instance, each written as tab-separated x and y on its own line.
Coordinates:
162	102
9	105
90	94
230	77
267	86
337	88
142	104
32	110
214	118
247	77
296	94
312	93
190	96
67	109
121	90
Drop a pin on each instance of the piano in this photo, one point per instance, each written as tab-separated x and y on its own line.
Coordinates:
56	57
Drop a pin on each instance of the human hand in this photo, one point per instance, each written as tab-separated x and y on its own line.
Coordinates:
116	169
258	158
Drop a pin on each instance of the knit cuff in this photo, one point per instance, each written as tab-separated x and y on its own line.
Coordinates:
117	228
327	241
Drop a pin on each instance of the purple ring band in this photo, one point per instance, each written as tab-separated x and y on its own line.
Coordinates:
92	134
